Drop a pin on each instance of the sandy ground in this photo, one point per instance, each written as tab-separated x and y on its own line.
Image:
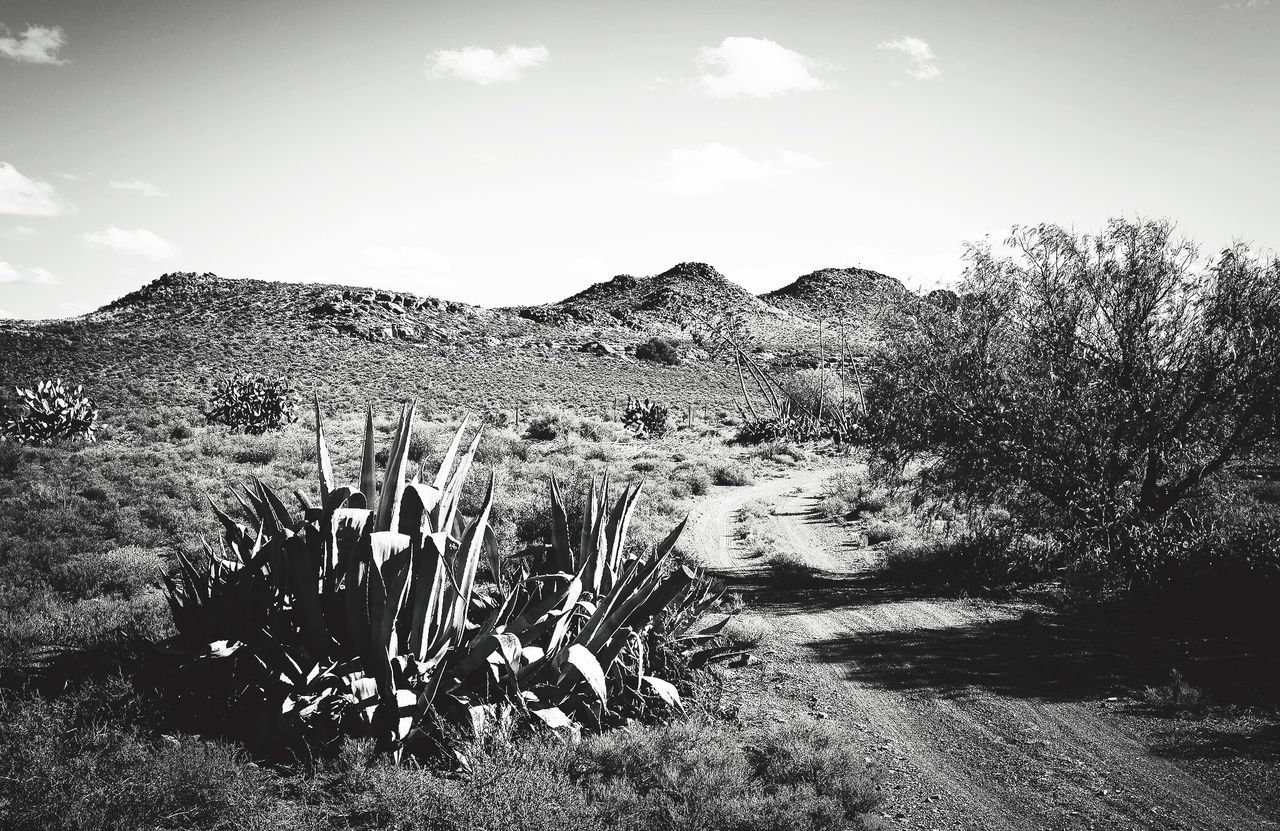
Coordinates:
978	721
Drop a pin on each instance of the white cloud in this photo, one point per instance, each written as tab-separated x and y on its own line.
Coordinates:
38	44
485	66
715	167
919	55
405	267
754	68
144	188
25	274
141	242
21	232
21	196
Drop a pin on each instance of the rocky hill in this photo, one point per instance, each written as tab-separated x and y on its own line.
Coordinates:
170	340
837	293
672	303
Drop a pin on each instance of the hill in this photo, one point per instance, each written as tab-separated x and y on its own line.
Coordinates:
854	295
169	341
670	303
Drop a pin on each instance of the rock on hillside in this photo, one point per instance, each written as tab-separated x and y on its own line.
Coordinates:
837	293
667	303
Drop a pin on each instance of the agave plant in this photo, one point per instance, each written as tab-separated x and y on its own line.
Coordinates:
369	614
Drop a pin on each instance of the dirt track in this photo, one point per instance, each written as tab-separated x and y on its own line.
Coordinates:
980	720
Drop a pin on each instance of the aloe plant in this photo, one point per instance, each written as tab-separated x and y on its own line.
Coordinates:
369	612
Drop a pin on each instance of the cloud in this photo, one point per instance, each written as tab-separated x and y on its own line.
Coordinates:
754	68
485	66
38	44
21	232
715	167
21	196
406	267
144	188
920	57
141	242
23	274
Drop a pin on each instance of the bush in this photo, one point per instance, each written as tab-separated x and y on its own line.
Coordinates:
735	475
695	776
49	412
980	562
1091	384
252	404
1177	698
556	423
658	350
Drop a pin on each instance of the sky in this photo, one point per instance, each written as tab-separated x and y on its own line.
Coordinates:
507	153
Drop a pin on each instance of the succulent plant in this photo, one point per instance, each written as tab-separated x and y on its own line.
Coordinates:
646	418
252	404
50	412
383	612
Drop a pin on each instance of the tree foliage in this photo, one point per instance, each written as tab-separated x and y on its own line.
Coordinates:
1092	382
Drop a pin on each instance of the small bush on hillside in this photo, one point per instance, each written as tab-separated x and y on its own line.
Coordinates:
556	423
49	412
253	404
658	350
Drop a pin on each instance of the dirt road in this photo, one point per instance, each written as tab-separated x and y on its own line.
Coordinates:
982	716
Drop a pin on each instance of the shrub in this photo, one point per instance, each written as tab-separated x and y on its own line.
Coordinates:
884	531
1090	384
976	562
695	776
556	423
646	419
761	430
1177	698
733	475
658	350
252	404
49	412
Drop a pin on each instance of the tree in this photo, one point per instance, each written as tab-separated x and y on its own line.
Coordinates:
1091	383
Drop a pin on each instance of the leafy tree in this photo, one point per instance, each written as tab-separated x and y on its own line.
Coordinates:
1091	383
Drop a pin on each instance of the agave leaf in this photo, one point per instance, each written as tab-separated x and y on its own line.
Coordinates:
469	557
416	506
323	461
446	464
426	593
665	690
304	584
553	717
449	504
367	460
560	530
393	480
275	504
582	659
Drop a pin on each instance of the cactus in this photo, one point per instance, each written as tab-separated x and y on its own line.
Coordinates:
252	404
383	612
646	419
49	413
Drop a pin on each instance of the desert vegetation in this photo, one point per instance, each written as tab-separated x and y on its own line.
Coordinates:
1096	390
